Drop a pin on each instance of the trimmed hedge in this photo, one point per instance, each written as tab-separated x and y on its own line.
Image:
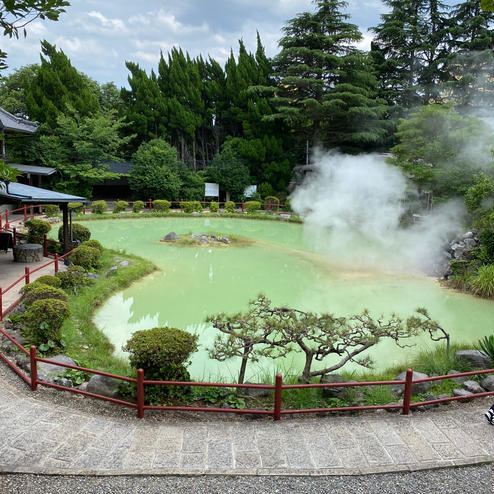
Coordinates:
191	206
138	206
120	206
98	207
36	229
214	206
41	292
95	244
51	210
252	206
80	233
76	207
161	205
48	279
229	207
85	256
44	320
72	278
271	203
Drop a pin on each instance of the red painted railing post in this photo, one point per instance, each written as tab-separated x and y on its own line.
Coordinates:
25	212
56	263
242	206
140	393
277	396
32	211
407	394
150	204
6	218
269	205
34	369
1	304
45	246
14	231
26	275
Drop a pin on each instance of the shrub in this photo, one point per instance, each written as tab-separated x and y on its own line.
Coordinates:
161	205
95	244
44	320
51	210
120	206
80	233
191	206
252	206
72	278
48	279
84	256
483	282
36	229
487	345
138	206
76	207
98	207
162	353
213	207
41	292
28	288
271	203
230	207
265	189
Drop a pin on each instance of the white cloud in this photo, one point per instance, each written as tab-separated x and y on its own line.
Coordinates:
140	19
365	43
170	22
144	56
104	25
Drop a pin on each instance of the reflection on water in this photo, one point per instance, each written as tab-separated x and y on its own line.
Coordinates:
194	282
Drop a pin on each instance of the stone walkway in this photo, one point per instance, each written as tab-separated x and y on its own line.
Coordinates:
41	437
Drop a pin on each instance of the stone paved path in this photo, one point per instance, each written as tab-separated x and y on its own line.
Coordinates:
39	437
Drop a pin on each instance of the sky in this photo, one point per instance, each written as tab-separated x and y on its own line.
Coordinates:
99	36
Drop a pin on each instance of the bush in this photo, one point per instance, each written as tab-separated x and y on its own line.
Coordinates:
80	233
483	282
213	207
271	203
162	353
95	244
48	279
73	278
120	206
51	210
36	229
252	206
44	320
161	205
487	345
229	207
98	207
84	256
41	292
191	206
138	206
76	207
265	189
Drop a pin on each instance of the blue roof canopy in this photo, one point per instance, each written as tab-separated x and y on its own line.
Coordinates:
28	193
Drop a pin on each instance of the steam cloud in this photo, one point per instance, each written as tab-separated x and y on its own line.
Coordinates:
353	208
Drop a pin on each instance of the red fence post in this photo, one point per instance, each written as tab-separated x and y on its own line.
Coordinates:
242	206
277	396
14	241
56	263
150	204
25	212
26	275
34	369
407	395
32	211
45	246
140	393
1	304
6	218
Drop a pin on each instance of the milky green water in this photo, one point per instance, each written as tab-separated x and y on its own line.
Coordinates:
194	282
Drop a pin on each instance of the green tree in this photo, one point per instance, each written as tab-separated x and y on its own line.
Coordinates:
12	89
155	172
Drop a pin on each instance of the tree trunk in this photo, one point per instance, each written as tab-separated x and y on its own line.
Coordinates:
243	365
308	364
228	195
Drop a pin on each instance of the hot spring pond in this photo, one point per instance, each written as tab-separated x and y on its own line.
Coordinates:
194	282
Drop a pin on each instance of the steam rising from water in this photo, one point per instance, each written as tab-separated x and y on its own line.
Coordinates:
353	208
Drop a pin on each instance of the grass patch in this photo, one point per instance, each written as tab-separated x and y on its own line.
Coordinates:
85	343
187	241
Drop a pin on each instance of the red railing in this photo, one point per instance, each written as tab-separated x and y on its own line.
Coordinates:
276	411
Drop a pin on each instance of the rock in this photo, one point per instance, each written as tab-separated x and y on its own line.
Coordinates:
92	276
102	385
476	358
395	410
442	397
470	242
111	271
43	377
462	392
124	264
459	380
417	388
256	392
62	381
336	391
488	383
83	386
171	236
195	213
203	240
468	235
23	362
54	370
473	387
195	235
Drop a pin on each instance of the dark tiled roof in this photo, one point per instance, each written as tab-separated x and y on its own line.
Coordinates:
119	166
12	123
35	170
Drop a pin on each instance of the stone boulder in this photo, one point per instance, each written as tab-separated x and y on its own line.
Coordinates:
255	392
417	388
54	370
103	385
335	391
476	358
473	387
462	392
459	380
488	383
171	236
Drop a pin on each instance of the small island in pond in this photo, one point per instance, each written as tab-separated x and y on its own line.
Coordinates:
211	239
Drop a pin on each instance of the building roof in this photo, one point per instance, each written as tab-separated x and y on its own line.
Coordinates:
11	123
122	167
34	170
28	193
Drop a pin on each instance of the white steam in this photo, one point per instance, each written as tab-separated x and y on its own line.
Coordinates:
354	207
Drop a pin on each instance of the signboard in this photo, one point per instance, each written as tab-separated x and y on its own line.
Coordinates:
211	190
250	190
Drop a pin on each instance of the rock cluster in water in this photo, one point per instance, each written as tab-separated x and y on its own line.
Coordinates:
200	238
461	249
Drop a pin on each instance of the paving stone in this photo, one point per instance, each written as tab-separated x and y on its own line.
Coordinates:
246	459
429	431
401	454
219	454
192	460
194	440
90	459
166	459
374	452
447	451
138	460
385	433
